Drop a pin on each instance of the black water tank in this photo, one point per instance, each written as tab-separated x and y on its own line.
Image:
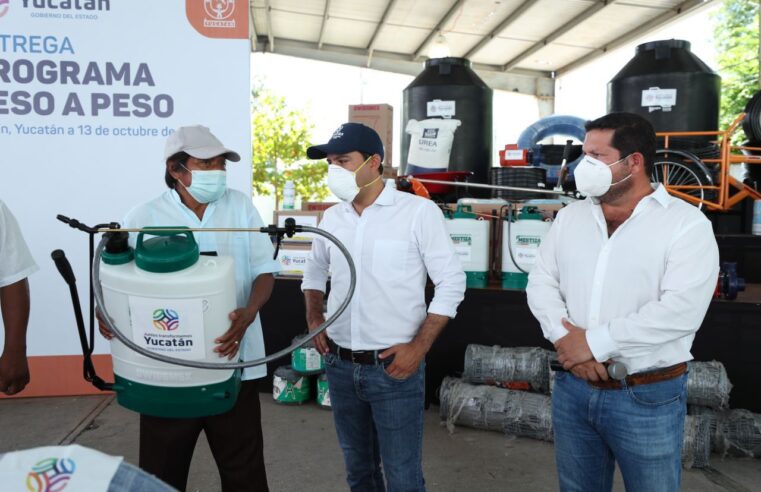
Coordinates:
452	79
668	65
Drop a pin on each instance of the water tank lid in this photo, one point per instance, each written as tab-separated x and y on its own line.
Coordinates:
449	60
664	43
169	252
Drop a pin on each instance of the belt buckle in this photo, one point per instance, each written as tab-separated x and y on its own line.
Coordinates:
357	353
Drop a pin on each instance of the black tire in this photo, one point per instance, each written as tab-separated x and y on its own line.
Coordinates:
683	168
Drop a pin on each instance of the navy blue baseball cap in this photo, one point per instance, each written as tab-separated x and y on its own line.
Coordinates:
349	137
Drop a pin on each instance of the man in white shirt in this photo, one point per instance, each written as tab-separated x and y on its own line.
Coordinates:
374	352
198	197
625	277
16	264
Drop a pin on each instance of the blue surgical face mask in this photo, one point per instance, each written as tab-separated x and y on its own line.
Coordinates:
207	186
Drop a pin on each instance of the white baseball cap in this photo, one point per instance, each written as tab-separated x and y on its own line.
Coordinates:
197	141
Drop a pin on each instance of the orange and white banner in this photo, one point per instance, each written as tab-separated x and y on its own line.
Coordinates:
89	91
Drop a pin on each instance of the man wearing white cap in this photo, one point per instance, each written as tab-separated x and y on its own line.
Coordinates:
198	197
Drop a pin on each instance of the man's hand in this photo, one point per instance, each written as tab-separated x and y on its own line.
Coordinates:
14	371
102	328
590	370
573	349
407	357
229	343
321	340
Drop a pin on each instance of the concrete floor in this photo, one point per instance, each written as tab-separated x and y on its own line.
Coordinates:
302	453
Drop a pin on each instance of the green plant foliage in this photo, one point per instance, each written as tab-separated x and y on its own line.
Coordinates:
281	136
736	25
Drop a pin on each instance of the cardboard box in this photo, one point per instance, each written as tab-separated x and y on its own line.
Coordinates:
292	258
316	206
302	217
379	117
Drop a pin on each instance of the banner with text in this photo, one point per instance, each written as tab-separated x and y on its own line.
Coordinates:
89	92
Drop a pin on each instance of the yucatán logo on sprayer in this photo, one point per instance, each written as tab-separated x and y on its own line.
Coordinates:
165	320
172	327
50	475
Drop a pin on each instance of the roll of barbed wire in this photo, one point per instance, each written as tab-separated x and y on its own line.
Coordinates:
518	413
712	416
499	366
480	407
739	433
528	415
696	447
708	384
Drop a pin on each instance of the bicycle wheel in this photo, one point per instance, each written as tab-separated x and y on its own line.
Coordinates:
671	173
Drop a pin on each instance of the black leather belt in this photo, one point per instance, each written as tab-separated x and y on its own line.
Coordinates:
367	357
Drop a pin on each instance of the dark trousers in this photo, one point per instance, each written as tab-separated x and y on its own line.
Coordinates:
235	439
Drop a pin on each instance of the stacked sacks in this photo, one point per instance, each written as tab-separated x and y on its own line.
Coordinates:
303	379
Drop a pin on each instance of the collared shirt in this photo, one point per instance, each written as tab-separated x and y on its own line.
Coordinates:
16	262
252	251
395	244
641	293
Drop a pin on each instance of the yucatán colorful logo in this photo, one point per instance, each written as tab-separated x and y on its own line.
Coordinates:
50	475
166	319
219	12
4	6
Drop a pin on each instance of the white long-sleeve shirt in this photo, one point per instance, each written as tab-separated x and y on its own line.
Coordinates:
396	242
641	293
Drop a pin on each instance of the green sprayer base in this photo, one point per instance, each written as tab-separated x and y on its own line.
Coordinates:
516	281
476	280
178	402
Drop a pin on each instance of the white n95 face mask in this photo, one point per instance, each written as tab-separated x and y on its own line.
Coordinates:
207	186
594	178
343	183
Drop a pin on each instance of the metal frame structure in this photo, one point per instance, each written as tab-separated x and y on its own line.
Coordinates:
726	191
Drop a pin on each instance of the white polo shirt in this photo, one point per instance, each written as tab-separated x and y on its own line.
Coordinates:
395	244
641	293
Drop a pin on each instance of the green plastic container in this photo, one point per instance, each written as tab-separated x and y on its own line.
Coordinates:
306	359
290	388
323	391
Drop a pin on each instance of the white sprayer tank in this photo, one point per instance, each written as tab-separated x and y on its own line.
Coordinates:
471	243
522	238
171	301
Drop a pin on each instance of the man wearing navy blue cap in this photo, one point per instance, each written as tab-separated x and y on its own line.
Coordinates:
375	351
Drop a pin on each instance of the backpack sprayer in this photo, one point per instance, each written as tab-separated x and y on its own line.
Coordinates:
174	301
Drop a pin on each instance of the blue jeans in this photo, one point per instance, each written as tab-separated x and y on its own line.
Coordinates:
640	427
379	419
